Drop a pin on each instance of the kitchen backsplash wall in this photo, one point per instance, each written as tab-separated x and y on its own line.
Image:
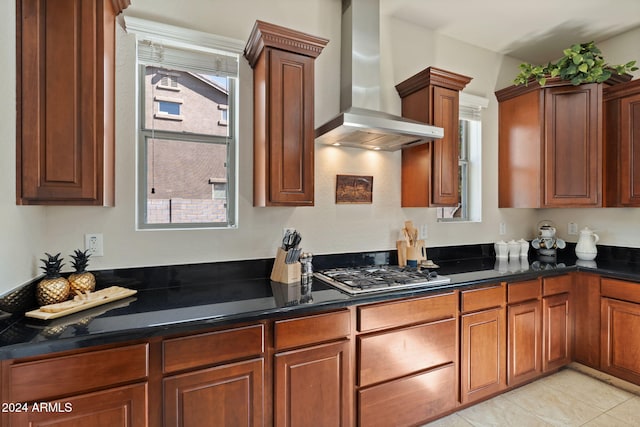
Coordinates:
27	232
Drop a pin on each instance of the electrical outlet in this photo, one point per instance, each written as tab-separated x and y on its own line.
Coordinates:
94	243
503	228
423	232
572	229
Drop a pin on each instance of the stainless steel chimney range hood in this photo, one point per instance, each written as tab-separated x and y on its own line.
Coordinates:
361	124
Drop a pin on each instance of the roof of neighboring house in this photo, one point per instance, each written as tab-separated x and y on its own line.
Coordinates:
210	82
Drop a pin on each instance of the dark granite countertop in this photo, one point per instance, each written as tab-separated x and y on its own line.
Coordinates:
182	299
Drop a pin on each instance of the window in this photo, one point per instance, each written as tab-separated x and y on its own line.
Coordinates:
186	158
169	82
224	115
167	107
469	207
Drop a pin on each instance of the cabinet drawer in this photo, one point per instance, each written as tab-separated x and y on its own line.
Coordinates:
215	347
523	291
401	313
312	329
556	285
620	289
409	401
59	376
483	298
390	355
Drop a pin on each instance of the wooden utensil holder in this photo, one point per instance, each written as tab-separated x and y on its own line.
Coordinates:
409	252
283	272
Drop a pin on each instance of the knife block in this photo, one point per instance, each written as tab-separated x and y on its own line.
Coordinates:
285	273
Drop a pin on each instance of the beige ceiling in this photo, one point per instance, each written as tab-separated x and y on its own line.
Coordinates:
532	30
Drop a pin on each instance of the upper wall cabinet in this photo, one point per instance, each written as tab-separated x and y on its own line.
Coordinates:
550	145
65	56
622	139
430	171
283	120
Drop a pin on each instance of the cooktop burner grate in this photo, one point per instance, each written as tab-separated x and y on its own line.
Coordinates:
356	280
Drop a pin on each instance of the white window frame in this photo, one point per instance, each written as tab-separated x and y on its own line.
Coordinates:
171	78
182	43
470	161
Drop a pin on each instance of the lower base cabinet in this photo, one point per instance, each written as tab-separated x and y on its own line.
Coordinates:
620	344
524	341
312	375
407	360
312	386
586	332
226	395
118	407
405	363
556	321
620	329
483	346
483	350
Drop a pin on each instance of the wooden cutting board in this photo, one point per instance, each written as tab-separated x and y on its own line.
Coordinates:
93	299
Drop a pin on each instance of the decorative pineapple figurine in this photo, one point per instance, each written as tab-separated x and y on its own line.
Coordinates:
53	288
81	281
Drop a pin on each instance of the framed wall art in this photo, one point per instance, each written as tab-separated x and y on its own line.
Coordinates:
354	189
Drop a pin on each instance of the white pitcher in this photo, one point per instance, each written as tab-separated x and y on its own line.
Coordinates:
586	246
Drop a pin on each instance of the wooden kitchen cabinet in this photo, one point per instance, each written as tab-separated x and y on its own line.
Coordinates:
430	173
483	345
586	297
622	133
118	407
557	322
65	63
231	395
404	345
224	378
551	145
283	121
620	323
524	322
101	388
312	374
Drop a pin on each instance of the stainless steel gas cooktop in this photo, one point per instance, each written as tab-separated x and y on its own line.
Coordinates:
380	278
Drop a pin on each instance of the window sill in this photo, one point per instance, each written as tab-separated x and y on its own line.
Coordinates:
161	116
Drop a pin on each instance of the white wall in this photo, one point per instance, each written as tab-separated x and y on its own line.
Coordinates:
22	231
27	232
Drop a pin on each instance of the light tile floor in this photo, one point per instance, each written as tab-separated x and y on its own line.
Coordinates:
574	396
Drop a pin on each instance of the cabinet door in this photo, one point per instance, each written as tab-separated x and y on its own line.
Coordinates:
587	319
430	172
630	151
446	150
313	386
620	354
291	142
117	407
227	395
483	349
557	332
524	342
573	146
65	102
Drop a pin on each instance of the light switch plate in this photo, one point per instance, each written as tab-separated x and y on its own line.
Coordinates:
572	229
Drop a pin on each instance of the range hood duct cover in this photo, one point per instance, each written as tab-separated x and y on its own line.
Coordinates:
361	123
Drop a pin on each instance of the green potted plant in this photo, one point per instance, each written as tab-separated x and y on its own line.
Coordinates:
581	63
